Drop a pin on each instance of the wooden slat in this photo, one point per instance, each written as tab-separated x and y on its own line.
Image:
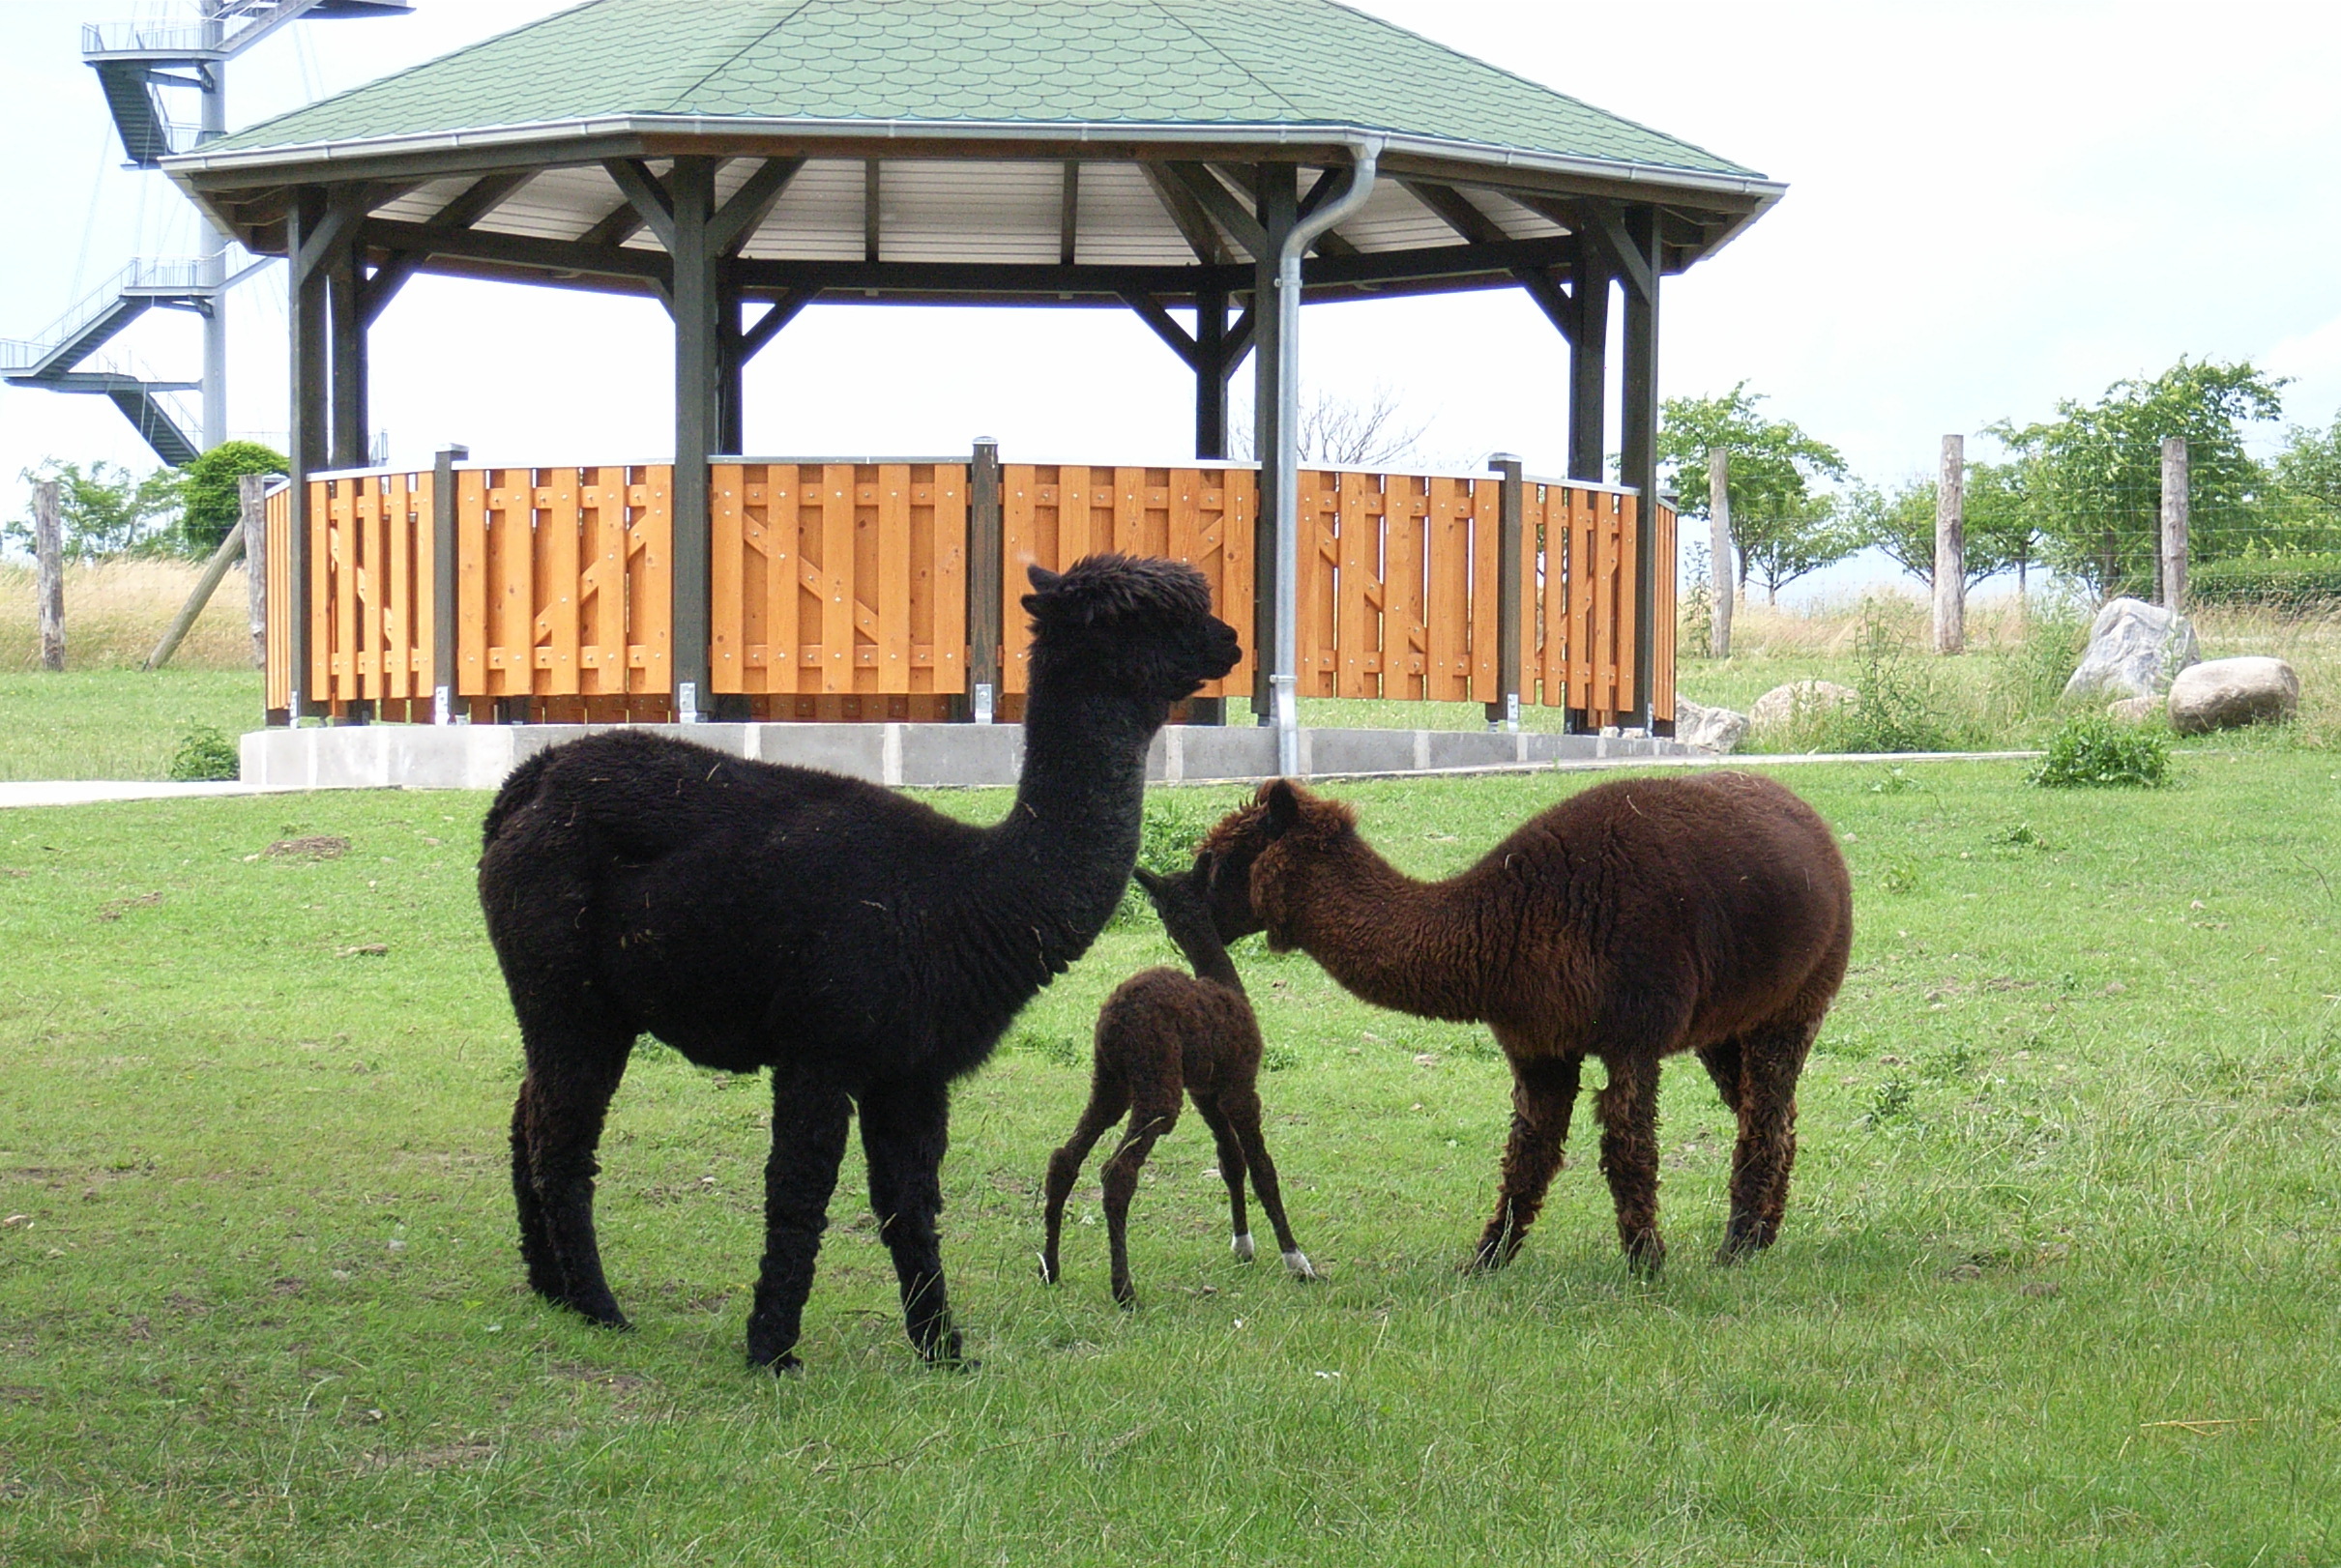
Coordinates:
278	509
601	629
1405	650
1448	608
1628	578
471	599
836	577
889	595
342	565
1486	518
1019	548
1357	619
1601	702
1662	701
944	620
728	627
399	591
649	578
1585	583
557	535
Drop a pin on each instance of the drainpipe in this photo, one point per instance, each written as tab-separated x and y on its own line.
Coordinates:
1284	675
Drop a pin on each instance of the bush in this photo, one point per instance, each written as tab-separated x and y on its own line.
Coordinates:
205	755
1897	707
210	490
2290	582
2092	749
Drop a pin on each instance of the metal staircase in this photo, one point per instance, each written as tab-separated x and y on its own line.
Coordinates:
136	63
136	60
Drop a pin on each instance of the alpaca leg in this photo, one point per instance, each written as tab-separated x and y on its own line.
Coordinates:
1627	1109
809	1114
1106	1105
905	1130
1723	1062
1231	1166
1147	1122
1544	1096
572	1072
1242	1112
535	1234
1771	1059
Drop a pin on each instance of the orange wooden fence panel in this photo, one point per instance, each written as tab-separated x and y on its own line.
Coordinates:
562	586
839	577
1052	516
279	513
845	579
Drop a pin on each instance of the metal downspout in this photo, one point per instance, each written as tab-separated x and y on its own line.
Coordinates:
1283	677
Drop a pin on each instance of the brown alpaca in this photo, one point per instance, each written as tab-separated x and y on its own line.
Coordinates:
1159	1031
1634	921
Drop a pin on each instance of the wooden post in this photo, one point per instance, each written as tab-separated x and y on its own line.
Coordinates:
691	189
986	538
1279	201
345	276
2174	522
1638	454
1504	711
445	537
49	557
306	333
1951	548
206	584
731	367
251	517
1210	374
1588	371
1723	555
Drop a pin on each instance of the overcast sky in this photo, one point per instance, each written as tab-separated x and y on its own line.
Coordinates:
1990	207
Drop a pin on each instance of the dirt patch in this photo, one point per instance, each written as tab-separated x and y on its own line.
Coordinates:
315	847
122	906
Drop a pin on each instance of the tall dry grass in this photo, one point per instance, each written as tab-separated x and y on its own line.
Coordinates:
115	612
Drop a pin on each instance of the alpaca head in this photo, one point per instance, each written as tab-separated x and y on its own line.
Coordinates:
1127	623
1187	914
1251	860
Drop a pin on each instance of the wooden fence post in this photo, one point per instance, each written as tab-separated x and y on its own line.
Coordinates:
443	535
206	584
2174	523
1722	557
251	517
48	554
1951	548
1504	711
985	539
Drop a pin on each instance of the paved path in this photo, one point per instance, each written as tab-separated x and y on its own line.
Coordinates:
88	792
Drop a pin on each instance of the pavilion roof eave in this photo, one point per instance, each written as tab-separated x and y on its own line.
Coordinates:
198	172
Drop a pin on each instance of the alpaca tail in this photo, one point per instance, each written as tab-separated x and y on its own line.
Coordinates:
520	789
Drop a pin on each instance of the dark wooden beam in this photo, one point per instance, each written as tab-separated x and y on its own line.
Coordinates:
1276	197
616	226
1069	215
1638	446
1149	310
1326	185
553	256
482	197
344	209
304	315
1588	367
739	217
1215	198
344	271
690	193
1211	364
650	201
1188	215
1458	213
777	315
870	191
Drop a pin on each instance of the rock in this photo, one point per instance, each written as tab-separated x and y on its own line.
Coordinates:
2134	651
1800	700
2134	709
1709	729
2228	692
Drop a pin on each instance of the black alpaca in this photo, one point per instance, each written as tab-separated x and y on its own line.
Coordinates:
865	948
1158	1031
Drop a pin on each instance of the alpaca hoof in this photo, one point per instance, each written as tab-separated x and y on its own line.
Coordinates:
785	1364
1297	1264
602	1314
1487	1261
1241	1245
1126	1297
1646	1261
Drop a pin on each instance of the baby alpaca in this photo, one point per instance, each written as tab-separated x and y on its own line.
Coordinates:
1159	1033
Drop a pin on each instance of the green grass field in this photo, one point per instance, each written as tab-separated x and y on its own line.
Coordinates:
2059	1282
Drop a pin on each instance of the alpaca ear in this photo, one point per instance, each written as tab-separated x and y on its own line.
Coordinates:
1043	579
1283	803
1149	881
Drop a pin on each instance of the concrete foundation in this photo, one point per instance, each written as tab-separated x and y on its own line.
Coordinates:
479	756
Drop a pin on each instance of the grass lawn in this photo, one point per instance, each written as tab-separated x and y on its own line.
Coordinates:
2060	1283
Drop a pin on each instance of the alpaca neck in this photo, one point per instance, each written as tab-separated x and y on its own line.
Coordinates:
1205	954
1067	844
1385	938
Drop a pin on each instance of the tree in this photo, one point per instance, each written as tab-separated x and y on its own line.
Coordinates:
210	490
105	511
2094	473
2305	498
1783	526
1347	432
2001	533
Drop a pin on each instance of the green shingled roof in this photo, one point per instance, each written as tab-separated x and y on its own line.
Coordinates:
1199	63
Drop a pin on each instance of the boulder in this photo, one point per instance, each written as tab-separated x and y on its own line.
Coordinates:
2135	649
1709	729
2134	709
2227	692
1800	700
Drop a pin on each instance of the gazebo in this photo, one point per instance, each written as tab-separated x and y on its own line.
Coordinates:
1209	164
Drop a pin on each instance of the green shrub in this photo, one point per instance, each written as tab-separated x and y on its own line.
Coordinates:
1897	707
210	489
2092	749
205	754
2290	582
